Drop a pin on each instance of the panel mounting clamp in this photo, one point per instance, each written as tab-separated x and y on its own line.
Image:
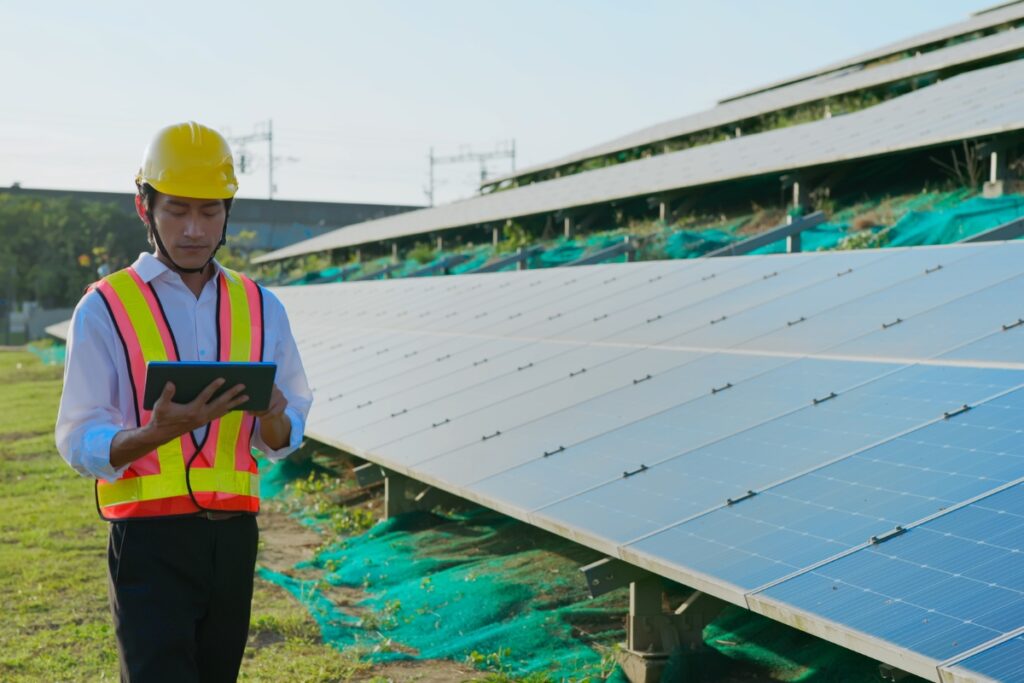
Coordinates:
638	470
790	323
601	317
485	437
882	538
733	501
438	424
523	367
363	405
845	272
642	379
403	411
718	320
715	390
953	413
657	317
1020	321
929	271
831	396
578	372
548	454
895	322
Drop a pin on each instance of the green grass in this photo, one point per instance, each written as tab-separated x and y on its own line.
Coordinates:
57	625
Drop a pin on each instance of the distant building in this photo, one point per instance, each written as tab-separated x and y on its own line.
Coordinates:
276	223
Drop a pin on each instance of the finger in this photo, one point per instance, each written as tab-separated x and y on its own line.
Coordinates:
165	396
224	405
225	399
206	394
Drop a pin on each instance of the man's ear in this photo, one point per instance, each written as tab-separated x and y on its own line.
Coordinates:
140	208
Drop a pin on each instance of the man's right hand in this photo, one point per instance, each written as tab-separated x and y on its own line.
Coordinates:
170	420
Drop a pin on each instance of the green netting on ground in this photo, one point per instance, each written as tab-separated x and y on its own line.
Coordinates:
558	254
481	587
920	219
952	224
50	354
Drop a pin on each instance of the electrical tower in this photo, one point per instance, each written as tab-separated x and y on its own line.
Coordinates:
503	150
264	133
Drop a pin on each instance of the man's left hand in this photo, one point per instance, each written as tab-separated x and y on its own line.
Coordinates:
276	407
275	427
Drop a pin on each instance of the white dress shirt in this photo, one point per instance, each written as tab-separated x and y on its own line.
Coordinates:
97	401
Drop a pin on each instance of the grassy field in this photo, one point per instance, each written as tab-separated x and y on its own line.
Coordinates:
57	625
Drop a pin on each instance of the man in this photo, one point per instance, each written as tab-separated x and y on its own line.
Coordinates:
178	483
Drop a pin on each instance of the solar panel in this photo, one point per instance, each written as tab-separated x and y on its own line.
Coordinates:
983	102
943	587
814	90
755	462
979	21
1000	662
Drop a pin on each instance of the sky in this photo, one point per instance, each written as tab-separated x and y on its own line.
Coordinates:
359	92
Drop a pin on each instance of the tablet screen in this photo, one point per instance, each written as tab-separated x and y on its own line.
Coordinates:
190	378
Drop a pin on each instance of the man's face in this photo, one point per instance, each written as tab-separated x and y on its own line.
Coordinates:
190	228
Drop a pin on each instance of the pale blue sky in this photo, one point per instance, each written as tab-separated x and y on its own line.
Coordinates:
359	91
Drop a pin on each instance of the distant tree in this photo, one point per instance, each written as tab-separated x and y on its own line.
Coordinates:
52	248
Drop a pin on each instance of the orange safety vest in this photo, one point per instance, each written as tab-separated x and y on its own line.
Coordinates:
184	477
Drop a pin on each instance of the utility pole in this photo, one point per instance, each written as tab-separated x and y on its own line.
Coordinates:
503	150
264	133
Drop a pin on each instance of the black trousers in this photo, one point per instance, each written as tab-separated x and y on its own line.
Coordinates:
180	593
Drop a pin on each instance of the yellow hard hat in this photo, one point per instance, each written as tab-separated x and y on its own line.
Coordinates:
189	160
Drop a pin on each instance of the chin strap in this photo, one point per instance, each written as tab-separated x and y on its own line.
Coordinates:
166	255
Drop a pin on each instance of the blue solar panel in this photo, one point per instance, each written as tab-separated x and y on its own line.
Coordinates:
938	589
977	314
1001	346
951	277
812	436
1002	662
840	506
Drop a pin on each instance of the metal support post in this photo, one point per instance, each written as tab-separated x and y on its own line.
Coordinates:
396	498
793	244
568	227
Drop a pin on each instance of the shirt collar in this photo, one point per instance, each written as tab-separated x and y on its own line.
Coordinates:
149	267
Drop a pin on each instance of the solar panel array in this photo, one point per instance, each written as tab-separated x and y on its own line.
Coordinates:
979	21
984	102
816	89
831	439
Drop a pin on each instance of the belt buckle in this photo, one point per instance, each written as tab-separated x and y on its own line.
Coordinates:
217	515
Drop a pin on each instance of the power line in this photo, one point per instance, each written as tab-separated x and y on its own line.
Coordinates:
264	133
503	150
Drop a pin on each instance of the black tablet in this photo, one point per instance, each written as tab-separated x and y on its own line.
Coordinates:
190	378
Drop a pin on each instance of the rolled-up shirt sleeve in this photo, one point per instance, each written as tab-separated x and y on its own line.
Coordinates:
88	417
290	379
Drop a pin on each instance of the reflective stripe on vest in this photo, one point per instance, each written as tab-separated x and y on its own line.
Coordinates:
183	477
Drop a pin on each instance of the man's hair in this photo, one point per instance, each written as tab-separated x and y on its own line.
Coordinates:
149	193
